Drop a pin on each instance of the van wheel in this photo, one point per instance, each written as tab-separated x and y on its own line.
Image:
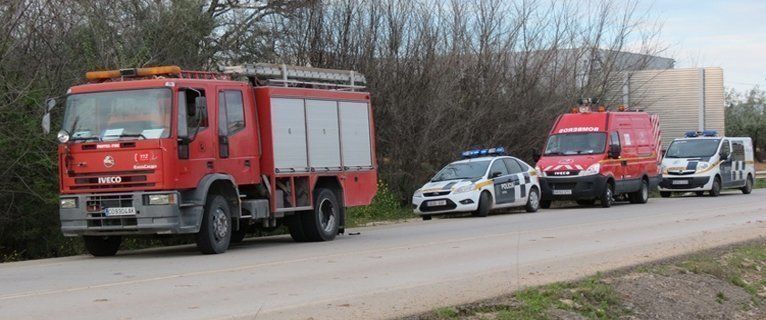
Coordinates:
295	225
485	202
748	185
533	200
102	246
642	195
214	235
607	196
665	194
716	189
322	223
545	204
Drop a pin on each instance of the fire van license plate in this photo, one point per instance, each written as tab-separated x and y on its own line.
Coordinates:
437	203
562	192
680	182
123	211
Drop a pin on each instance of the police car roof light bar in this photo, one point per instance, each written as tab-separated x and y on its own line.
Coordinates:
498	151
691	134
710	133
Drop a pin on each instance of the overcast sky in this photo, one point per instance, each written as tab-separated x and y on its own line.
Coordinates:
727	34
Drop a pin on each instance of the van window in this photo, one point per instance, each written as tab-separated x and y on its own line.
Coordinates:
615	138
498	166
195	121
737	151
725	148
575	143
692	148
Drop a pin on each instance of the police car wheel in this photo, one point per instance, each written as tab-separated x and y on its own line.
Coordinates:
716	189
485	201
545	204
748	185
607	197
533	200
665	194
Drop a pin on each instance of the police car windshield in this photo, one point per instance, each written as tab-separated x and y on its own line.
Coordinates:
576	143
462	170
696	148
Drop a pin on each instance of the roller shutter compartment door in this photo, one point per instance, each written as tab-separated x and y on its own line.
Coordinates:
355	134
323	134
289	134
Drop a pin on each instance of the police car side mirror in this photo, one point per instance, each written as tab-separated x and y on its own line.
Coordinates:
536	155
614	151
495	174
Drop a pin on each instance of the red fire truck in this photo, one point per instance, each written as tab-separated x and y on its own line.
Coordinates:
162	151
600	155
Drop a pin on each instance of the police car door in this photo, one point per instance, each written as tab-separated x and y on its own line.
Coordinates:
503	184
521	177
727	177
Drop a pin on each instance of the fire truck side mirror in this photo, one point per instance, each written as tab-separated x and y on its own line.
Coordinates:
614	151
536	155
50	103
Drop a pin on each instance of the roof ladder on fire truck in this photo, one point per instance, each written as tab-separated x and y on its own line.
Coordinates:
297	76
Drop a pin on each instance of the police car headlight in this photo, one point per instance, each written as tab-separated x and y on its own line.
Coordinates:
464	189
702	165
540	172
418	193
593	169
68	203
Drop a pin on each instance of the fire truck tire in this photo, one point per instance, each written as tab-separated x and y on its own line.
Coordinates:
102	246
545	204
748	188
642	195
485	202
214	235
665	194
322	223
533	200
716	189
295	225
607	197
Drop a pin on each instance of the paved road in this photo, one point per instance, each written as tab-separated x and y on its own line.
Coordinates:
383	272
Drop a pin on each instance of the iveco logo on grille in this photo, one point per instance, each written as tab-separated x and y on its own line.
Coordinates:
109	179
561	173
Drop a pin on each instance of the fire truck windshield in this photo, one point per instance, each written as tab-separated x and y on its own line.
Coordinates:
576	143
462	170
116	115
692	148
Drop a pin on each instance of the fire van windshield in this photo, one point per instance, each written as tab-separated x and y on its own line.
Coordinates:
576	144
118	115
462	170
692	148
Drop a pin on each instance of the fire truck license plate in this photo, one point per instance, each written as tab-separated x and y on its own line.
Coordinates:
124	211
437	203
680	182
562	192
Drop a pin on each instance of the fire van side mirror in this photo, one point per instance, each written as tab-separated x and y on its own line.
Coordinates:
614	151
536	155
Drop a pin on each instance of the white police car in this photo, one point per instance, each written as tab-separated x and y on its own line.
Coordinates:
484	180
703	161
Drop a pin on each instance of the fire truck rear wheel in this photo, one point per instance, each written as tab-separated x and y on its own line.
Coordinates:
215	233
322	223
102	246
295	225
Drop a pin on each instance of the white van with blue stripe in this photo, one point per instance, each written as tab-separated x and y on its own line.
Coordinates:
704	162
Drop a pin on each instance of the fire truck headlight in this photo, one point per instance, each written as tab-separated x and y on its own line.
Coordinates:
703	165
464	189
593	169
63	136
161	199
68	203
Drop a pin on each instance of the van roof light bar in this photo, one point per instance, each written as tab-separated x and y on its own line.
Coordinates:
705	133
287	75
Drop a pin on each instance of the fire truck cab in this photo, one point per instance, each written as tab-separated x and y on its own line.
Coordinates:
600	155
161	151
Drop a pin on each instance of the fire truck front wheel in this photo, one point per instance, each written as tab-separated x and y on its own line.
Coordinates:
102	246
215	233
322	223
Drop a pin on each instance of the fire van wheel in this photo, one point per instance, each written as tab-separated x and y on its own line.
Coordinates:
214	235
642	195
716	189
322	223
533	201
748	185
102	246
607	197
545	204
485	202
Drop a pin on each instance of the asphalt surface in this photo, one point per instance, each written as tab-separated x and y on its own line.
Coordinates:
383	272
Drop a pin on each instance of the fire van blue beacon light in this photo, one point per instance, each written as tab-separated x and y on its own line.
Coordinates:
483	152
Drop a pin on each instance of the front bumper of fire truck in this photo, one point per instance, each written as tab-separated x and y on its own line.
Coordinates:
133	213
572	188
